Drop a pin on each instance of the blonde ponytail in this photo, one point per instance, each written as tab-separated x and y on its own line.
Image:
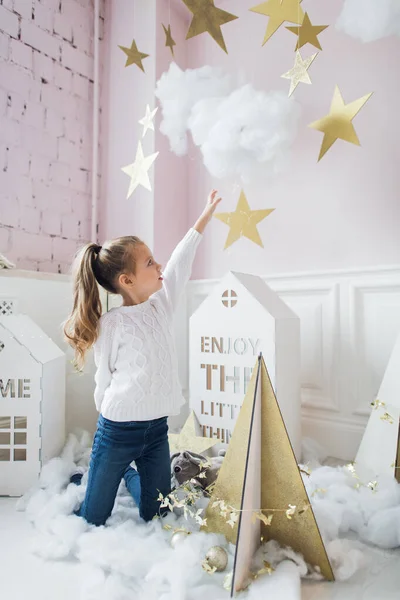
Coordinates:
95	265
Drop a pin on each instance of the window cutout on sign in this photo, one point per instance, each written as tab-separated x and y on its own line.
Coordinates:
19	438
5	438
229	298
4	454
5	422
20	422
19	454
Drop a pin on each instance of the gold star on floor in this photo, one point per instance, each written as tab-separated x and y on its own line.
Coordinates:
187	439
298	74
147	120
307	33
134	56
169	42
207	17
137	171
338	123
278	12
243	222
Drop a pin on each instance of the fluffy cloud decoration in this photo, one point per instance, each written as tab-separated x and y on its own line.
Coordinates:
370	20
242	133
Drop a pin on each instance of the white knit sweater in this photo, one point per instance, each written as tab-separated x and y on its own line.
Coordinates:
137	367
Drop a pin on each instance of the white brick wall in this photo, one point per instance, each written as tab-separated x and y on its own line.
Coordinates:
46	91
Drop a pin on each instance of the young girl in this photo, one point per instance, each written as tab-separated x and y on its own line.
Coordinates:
137	384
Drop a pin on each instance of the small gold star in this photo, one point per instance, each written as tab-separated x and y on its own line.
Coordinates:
134	56
338	123
307	33
243	222
169	42
187	439
299	72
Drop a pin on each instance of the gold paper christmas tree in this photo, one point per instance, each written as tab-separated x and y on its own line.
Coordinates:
260	472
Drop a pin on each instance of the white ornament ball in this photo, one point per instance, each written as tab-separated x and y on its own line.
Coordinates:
217	557
178	537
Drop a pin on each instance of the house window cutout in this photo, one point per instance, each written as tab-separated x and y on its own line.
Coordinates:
20	423
229	298
4	454
19	446
7	306
5	422
5	438
19	454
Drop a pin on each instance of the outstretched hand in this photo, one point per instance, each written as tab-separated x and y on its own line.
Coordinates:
212	202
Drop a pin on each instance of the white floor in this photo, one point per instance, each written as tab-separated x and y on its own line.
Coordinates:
25	576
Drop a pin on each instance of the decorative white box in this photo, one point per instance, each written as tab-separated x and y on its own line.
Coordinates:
32	402
239	319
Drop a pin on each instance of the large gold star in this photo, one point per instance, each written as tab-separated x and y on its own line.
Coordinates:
137	171
169	41
307	33
278	12
187	439
207	17
134	56
299	72
243	222
338	123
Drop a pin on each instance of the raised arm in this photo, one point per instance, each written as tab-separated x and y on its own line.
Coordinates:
179	268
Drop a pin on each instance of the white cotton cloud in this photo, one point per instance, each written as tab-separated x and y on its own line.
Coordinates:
242	133
178	91
370	20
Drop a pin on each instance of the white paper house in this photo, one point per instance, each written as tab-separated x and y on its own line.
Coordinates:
239	319
32	402
379	451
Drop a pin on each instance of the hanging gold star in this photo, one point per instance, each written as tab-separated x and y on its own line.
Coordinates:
207	17
307	33
278	12
188	439
137	171
134	56
338	123
243	222
169	42
299	73
147	120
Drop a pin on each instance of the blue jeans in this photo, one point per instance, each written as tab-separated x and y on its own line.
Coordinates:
115	446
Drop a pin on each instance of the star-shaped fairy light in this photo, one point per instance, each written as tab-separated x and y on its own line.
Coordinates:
299	72
134	56
147	120
188	439
338	123
207	17
138	170
243	222
279	11
307	33
169	41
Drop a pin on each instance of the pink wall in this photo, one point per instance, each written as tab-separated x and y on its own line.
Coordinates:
172	198
339	213
46	73
342	212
